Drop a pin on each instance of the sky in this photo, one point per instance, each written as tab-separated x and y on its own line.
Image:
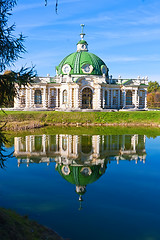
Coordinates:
125	34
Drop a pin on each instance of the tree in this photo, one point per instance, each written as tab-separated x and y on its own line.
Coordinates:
11	48
153	86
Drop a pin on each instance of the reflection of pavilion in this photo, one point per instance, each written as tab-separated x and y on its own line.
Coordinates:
83	149
79	159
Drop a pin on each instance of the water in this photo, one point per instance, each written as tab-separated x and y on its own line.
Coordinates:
86	186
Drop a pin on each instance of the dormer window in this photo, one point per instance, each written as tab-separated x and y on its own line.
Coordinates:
87	68
82	45
66	69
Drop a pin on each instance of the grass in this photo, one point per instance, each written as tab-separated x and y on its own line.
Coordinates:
82	117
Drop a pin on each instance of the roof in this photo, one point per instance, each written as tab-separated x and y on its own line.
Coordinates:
82	42
78	59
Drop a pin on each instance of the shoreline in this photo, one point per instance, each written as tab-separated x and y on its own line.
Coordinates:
14	126
15	226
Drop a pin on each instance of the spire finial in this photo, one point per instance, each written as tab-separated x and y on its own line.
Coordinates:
82	34
80	202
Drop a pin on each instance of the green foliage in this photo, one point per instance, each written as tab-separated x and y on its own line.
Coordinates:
153	86
10	82
11	48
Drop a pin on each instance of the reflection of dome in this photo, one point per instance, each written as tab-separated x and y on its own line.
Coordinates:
81	175
78	60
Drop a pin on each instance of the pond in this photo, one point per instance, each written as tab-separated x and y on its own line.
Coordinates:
86	186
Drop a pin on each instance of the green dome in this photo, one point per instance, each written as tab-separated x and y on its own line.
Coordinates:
77	178
78	59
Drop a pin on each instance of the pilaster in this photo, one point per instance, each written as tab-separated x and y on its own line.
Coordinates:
76	97
44	98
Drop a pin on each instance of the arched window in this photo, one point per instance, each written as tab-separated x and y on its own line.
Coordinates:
38	97
64	96
129	97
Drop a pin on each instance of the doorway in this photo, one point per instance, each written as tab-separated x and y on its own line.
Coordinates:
87	98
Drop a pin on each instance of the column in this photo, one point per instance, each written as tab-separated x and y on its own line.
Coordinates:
30	144
119	99
57	143
16	144
99	97
124	98
61	98
27	141
145	100
44	98
108	98
76	144
93	144
111	98
49	102
135	98
77	97
98	145
133	142
30	99
138	98
103	103
70	100
56	97
70	145
27	98
44	143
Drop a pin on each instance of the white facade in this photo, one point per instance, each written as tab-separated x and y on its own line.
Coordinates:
88	92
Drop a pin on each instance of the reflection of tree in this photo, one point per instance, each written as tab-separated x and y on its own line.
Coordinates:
3	155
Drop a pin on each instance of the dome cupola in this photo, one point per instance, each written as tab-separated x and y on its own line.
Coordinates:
82	45
82	62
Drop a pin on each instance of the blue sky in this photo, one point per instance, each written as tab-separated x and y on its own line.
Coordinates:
124	33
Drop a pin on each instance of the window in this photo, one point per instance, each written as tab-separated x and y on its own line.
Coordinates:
23	100
38	97
64	96
129	97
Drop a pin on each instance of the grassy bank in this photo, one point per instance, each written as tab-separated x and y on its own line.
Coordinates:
14	226
83	118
